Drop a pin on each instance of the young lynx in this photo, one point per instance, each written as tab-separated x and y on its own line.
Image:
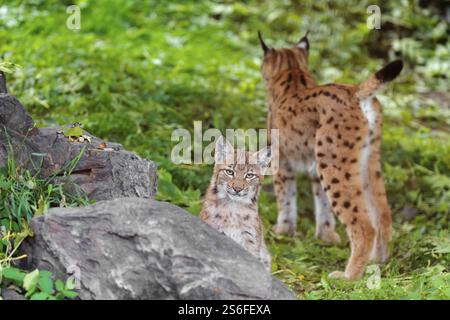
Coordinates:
230	203
334	133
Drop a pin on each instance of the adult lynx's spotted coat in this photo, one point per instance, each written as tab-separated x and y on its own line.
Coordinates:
333	132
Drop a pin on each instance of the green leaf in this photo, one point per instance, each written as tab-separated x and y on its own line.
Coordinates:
46	282
31	280
59	285
70	284
42	208
59	296
40	296
14	274
5	184
21	236
45	274
8	67
70	294
73	132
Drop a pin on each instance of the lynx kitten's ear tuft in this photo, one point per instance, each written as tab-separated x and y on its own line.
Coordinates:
224	149
390	71
263	44
262	157
303	43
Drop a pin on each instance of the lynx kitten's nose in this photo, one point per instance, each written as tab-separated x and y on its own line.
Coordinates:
237	189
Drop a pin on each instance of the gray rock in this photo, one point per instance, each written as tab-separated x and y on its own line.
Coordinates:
133	248
11	294
3	88
14	116
103	174
104	170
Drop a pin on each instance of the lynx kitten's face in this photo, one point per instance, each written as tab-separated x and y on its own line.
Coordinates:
238	173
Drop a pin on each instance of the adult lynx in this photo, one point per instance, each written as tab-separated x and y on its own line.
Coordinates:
333	132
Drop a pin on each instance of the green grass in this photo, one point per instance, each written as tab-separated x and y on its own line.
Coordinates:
25	195
134	72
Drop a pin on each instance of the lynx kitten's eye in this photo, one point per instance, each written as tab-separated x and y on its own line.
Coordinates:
229	172
250	175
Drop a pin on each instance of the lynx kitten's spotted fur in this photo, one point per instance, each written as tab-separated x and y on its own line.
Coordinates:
333	132
230	203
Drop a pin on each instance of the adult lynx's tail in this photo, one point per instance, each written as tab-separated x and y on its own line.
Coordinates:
388	73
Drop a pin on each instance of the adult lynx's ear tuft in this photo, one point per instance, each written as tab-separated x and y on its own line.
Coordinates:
263	44
303	43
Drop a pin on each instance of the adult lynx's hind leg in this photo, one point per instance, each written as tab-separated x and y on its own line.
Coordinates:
325	222
340	159
349	205
377	189
286	193
384	234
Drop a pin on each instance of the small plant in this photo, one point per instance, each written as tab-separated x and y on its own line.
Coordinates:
8	67
38	284
24	195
